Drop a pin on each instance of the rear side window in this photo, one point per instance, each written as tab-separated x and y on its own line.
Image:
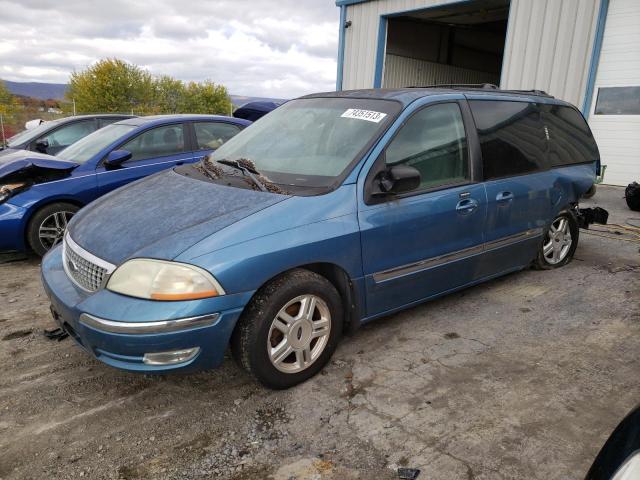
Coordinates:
433	141
512	137
210	135
157	142
570	140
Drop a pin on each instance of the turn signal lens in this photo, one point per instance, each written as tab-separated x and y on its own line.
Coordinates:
162	280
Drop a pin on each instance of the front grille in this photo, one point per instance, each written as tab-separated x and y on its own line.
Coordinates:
86	270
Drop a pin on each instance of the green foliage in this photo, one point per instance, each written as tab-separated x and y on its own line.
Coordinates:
206	97
8	103
112	85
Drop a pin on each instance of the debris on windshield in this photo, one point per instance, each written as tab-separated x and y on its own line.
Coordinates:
213	171
209	169
269	185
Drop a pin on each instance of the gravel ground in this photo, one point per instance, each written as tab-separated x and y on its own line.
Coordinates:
522	377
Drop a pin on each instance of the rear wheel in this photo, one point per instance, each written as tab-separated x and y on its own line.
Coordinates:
560	242
289	330
47	227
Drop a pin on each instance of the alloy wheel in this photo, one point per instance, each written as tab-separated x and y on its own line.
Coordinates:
52	228
557	242
299	334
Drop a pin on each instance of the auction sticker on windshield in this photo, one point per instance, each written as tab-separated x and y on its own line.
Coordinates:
368	115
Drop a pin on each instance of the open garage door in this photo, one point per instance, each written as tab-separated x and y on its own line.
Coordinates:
455	44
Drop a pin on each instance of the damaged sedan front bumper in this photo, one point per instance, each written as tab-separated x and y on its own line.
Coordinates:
12	223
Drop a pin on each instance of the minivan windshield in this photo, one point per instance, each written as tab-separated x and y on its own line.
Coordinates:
87	147
310	142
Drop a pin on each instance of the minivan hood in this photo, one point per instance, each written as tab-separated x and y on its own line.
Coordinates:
161	216
32	164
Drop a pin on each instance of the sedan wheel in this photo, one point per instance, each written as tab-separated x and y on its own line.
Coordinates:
52	228
47	226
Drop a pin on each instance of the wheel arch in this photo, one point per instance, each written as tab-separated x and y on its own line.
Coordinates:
340	279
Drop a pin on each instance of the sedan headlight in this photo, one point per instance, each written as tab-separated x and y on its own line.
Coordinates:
162	280
7	191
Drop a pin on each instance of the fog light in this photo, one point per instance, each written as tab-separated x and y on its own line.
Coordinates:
171	357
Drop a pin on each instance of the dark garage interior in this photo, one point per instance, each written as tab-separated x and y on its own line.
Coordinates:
457	44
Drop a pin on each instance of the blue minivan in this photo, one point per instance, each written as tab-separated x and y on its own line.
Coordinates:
331	211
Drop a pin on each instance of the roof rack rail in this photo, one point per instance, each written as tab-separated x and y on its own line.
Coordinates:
483	86
490	86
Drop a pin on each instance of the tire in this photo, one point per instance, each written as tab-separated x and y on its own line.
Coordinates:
47	226
590	193
278	308
554	251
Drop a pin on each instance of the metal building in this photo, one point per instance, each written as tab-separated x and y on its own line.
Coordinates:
583	51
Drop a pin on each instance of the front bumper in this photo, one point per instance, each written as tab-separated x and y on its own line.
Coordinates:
119	330
12	221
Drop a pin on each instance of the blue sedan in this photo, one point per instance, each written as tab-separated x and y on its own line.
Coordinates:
40	193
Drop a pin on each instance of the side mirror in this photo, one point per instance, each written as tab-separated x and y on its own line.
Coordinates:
116	158
42	145
399	179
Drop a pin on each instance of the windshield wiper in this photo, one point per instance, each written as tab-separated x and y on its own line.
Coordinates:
247	171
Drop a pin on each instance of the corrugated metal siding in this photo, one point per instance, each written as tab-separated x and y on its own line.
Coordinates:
403	72
618	136
548	43
362	36
548	46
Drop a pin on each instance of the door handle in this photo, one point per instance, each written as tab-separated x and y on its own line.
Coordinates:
466	206
180	162
504	197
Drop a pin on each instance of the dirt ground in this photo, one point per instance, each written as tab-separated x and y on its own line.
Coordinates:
522	377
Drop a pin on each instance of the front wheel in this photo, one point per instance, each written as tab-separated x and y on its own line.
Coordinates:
48	225
289	330
560	242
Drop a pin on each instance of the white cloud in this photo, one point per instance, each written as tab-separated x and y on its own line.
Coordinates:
275	48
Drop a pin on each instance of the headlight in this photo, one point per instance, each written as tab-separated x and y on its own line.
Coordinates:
7	191
161	280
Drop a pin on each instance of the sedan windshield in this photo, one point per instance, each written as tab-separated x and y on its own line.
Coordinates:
84	149
32	134
310	142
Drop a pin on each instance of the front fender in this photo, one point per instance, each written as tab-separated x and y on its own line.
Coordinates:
247	266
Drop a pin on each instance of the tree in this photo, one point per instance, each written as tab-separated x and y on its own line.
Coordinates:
168	94
206	97
112	85
8	108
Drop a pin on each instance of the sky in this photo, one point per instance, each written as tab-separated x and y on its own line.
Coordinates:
272	48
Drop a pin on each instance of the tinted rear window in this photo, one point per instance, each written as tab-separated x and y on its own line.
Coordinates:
512	137
570	140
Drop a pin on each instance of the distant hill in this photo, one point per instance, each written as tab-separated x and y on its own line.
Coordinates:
44	91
